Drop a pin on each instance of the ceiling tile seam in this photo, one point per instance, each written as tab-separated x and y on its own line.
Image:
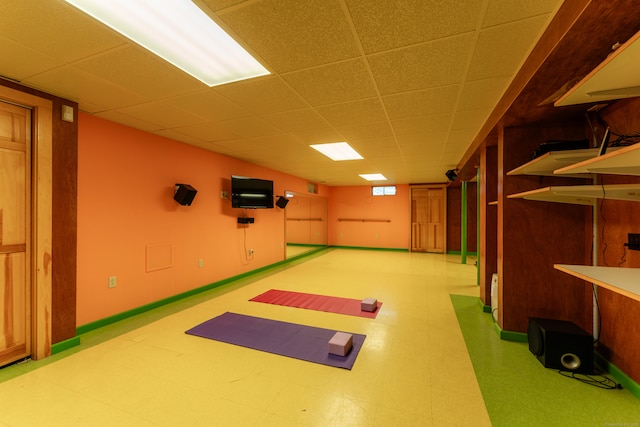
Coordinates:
515	21
363	54
476	36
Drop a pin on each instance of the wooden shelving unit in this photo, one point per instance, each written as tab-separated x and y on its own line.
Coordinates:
624	161
616	77
581	194
546	164
624	281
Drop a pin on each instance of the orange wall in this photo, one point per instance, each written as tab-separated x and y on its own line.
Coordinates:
356	202
128	220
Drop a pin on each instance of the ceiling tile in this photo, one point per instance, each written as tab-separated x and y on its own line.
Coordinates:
140	71
291	34
437	63
503	11
366	131
31	61
422	124
262	95
210	132
422	103
470	119
78	85
482	93
317	136
388	24
127	120
296	120
37	25
353	113
333	83
248	127
160	114
501	50
208	105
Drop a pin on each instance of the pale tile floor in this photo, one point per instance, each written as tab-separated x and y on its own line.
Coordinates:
413	369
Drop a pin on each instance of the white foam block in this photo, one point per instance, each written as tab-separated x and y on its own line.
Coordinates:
369	304
340	343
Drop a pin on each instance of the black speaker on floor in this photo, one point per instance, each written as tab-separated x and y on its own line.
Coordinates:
282	202
562	345
184	194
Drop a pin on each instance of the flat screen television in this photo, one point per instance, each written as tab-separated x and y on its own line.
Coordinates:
251	193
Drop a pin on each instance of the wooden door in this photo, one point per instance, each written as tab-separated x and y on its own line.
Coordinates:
15	149
428	219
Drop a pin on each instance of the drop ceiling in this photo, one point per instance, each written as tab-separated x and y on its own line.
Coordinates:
407	83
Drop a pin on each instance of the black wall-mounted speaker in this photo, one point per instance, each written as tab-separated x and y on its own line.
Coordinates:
562	345
282	202
451	174
184	194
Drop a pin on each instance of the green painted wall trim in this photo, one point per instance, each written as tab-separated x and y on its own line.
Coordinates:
64	345
621	377
368	248
306	245
147	307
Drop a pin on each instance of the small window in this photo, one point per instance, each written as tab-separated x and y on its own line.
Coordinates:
388	190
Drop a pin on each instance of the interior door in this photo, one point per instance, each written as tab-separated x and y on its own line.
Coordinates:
428	219
15	154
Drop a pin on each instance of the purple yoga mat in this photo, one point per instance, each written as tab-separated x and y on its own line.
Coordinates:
287	339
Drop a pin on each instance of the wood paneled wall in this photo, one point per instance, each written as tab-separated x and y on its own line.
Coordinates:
619	315
533	235
64	215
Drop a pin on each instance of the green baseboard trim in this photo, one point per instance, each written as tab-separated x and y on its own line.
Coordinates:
618	374
510	335
485	308
65	345
306	245
369	248
83	329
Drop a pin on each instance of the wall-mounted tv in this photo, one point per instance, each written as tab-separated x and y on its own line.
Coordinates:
251	193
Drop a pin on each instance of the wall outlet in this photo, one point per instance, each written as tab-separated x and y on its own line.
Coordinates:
112	281
200	263
224	194
633	242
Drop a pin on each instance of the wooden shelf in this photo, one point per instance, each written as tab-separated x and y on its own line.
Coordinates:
624	161
620	280
616	77
547	163
581	194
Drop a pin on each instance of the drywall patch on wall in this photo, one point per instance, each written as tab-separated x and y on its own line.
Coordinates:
158	257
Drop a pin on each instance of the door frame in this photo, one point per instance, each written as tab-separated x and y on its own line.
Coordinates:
41	215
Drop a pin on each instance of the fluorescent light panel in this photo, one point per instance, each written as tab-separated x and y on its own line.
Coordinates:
373	176
337	151
179	32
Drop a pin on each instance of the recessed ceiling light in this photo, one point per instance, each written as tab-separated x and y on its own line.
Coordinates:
179	32
373	176
337	151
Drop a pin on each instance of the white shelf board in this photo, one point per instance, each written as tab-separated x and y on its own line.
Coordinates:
553	160
581	194
623	161
616	77
625	281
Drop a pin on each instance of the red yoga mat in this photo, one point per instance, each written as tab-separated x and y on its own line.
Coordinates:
330	304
